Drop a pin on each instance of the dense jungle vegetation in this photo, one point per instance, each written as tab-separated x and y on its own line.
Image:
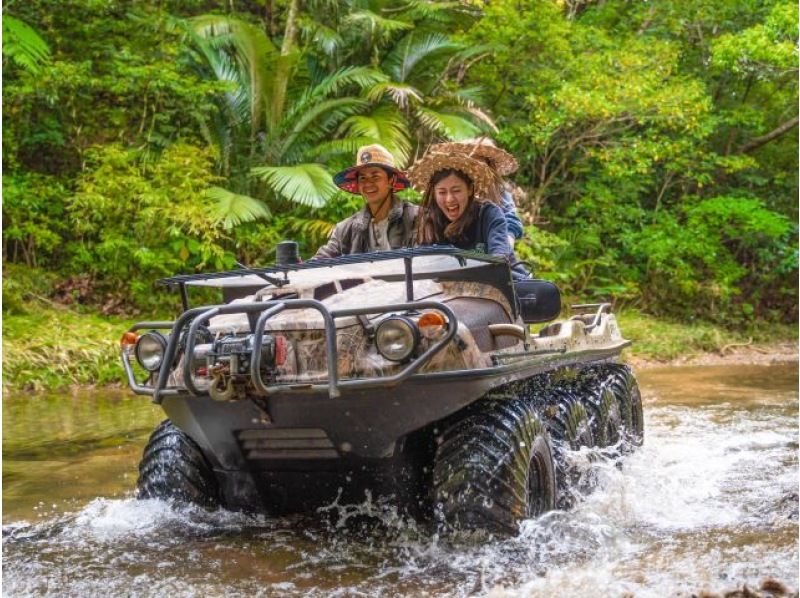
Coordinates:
657	139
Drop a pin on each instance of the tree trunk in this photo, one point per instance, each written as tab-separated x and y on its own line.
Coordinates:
282	74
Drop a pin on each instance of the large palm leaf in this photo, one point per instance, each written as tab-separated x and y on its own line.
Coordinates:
248	48
306	184
384	125
233	209
447	124
317	123
413	49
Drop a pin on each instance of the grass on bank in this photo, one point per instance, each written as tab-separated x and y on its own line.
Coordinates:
663	340
54	347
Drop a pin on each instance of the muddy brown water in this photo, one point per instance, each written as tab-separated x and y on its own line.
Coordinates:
709	501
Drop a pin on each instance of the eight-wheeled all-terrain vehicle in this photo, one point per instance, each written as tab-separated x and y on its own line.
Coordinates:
410	373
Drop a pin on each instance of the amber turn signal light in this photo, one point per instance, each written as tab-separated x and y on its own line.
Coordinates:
431	324
128	339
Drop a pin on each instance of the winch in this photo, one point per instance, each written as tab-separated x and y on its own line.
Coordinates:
228	362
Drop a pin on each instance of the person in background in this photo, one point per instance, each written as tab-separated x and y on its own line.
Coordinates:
460	206
502	163
385	222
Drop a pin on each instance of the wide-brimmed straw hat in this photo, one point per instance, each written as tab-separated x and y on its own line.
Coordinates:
484	180
371	155
484	148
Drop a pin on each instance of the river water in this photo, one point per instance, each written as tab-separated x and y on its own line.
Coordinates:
709	502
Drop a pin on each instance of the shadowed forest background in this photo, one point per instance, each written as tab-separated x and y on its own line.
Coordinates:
657	141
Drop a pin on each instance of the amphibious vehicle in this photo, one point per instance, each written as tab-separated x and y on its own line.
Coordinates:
412	374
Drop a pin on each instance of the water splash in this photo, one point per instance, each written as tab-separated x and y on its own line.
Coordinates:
709	501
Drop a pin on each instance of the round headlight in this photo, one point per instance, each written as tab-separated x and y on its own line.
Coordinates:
150	350
396	338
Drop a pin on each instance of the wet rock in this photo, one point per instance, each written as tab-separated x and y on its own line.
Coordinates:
788	506
769	588
745	592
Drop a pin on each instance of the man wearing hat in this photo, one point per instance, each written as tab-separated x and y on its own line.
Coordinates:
385	222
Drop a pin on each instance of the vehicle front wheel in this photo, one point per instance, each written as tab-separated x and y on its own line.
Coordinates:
494	467
173	468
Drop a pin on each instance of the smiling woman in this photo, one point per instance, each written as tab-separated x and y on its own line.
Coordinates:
459	205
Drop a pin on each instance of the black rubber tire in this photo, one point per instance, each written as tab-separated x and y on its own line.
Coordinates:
625	388
494	467
570	428
570	421
173	468
602	406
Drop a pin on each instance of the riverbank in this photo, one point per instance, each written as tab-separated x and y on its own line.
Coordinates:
658	343
53	346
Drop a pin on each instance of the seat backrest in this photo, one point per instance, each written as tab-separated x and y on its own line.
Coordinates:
539	300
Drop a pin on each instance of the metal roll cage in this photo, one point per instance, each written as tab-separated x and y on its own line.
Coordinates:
197	316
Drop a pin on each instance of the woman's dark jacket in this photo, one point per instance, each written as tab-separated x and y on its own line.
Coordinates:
489	234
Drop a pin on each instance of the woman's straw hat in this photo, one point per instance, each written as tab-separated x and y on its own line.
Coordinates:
483	178
484	148
370	155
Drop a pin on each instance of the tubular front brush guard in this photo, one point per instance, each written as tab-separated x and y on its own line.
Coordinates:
199	315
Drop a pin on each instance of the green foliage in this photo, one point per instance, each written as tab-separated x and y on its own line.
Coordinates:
664	339
643	137
54	348
656	140
33	218
136	223
23	45
25	288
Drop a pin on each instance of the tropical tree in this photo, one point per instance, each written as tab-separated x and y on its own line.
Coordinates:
289	110
277	119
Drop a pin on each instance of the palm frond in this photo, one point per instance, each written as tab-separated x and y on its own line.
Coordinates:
413	49
232	209
468	96
367	20
326	39
452	126
438	12
250	51
400	93
311	229
347	145
23	45
361	76
306	184
481	116
320	120
385	125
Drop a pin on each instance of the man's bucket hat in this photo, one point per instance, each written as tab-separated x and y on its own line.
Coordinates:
371	155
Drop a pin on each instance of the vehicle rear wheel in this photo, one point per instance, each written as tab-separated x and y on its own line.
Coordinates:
570	428
602	406
623	385
494	468
173	468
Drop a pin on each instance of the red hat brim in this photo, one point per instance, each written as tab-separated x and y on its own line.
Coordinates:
348	178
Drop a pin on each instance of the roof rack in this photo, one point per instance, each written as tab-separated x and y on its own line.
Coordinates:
357	258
